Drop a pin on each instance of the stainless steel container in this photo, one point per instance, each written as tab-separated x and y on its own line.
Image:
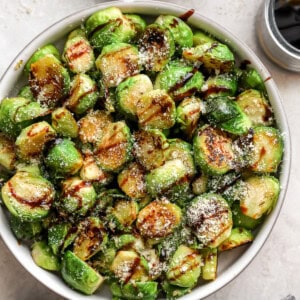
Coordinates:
273	43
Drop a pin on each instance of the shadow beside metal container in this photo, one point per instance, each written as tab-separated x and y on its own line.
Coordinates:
272	41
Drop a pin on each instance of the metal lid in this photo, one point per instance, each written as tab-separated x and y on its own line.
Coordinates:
272	41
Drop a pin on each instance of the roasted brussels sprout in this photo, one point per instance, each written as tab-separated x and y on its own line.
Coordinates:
48	79
79	275
25	92
130	92
213	151
210	263
117	62
139	24
91	237
238	236
188	113
215	56
156	110
109	26
250	79
78	53
158	219
220	85
227	115
91	126
210	217
129	267
32	139
181	32
77	197
138	290
199	185
83	94
156	47
122	215
28	196
42	255
179	80
255	106
113	150
64	123
7	153
149	146
64	158
174	291
185	267
25	230
131	181
201	37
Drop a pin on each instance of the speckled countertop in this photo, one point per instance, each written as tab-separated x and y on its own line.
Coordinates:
274	273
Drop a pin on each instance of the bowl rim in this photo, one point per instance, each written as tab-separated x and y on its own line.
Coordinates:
140	6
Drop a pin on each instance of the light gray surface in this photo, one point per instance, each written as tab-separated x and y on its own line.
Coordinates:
274	273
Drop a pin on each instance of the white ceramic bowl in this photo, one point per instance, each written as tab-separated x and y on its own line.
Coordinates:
232	262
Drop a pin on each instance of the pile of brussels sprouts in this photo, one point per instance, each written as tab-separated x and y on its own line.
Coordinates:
137	155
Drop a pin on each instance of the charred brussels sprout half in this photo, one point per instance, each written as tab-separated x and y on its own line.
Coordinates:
79	275
179	80
215	56
156	109
64	158
130	92
210	217
139	153
117	62
156	47
213	151
182	33
83	94
78	53
185	267
77	196
28	196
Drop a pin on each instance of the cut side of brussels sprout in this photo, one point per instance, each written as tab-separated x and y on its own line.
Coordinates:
210	263
42	255
109	26
129	93
156	47
215	56
226	114
259	195
239	236
83	94
117	62
267	150
128	267
199	185
220	85
210	217
78	53
185	267
149	146
77	196
256	107
49	81
32	140
113	150
158	219
188	113
131	181
25	230
64	158
64	123
28	196
156	110
91	126
90	238
7	152
123	214
79	275
179	80
213	151
181	32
